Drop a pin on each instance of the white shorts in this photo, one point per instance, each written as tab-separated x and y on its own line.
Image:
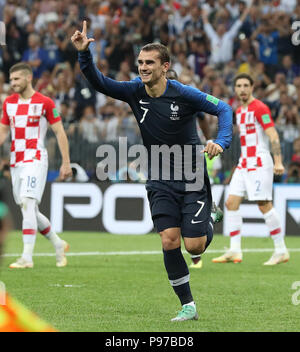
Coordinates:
29	180
253	185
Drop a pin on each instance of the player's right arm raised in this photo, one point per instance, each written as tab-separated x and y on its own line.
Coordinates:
80	39
105	85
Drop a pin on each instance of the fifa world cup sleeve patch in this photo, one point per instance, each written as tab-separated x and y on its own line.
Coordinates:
266	119
212	99
55	113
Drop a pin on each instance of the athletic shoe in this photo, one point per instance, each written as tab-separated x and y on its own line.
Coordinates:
61	259
216	213
278	258
188	312
21	263
197	265
229	257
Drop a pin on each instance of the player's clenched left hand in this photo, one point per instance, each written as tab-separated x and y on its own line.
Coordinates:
212	149
65	171
278	169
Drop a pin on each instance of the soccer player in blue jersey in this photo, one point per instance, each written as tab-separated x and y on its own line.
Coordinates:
164	110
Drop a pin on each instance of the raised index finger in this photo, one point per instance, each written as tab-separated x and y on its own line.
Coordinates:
84	28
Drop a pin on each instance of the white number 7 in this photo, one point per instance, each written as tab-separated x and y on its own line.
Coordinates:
144	115
201	207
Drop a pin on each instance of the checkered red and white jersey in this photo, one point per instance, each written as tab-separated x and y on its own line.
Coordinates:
252	121
28	122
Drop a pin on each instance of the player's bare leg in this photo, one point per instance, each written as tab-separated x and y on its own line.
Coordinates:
234	254
273	223
178	273
216	216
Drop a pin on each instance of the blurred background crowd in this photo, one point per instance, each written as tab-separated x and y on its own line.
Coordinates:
210	42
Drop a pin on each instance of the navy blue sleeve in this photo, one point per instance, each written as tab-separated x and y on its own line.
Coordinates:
213	106
105	85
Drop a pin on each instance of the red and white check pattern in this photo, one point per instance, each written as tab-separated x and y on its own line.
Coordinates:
254	142
28	122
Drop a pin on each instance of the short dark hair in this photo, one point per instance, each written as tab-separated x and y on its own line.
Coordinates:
243	76
162	50
20	67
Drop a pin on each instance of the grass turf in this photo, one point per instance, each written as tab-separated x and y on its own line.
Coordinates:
110	293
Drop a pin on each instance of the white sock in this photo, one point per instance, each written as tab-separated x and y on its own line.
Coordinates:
235	225
190	304
45	229
29	227
273	223
28	247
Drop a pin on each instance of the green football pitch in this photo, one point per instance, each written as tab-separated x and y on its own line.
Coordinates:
118	283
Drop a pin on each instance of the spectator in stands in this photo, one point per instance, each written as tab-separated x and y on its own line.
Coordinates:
84	94
288	121
209	79
260	77
198	58
67	117
272	92
221	40
90	127
68	52
4	88
62	81
282	105
180	63
111	116
181	17
117	50
15	44
52	41
294	165
267	36
289	69
36	56
296	152
97	48
193	27
124	73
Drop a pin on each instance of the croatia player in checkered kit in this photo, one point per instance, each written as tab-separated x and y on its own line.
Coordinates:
253	177
27	114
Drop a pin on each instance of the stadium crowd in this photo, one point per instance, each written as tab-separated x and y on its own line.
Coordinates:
210	42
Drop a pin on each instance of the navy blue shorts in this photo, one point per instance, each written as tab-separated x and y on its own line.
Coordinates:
172	206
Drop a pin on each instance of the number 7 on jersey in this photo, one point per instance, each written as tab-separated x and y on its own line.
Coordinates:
144	115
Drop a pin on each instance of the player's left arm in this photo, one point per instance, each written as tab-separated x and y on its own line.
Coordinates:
57	127
265	119
213	106
63	144
276	150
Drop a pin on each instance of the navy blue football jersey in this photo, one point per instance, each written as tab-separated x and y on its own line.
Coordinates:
168	119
